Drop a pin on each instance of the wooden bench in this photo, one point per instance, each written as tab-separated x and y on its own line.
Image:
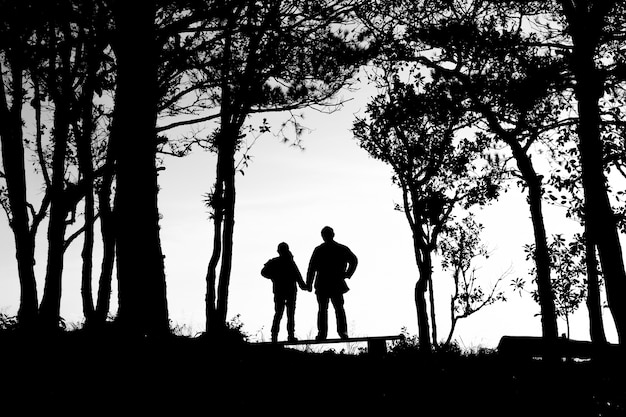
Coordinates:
376	345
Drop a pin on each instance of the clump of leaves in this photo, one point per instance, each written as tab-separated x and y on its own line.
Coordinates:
235	329
567	265
183	330
409	343
7	322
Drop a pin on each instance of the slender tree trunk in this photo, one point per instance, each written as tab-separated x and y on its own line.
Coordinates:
87	256
422	313
107	232
85	159
594	306
50	308
229	225
222	198
542	261
140	267
453	317
11	137
452	328
542	258
212	322
223	221
425	269
433	319
422	258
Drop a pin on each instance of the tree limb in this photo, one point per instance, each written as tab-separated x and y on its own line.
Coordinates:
77	233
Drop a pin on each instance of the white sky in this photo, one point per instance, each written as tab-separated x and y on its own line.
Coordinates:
288	195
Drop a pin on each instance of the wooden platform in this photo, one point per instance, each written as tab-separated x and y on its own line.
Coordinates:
376	345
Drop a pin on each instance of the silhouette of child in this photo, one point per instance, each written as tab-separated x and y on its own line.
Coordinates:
284	274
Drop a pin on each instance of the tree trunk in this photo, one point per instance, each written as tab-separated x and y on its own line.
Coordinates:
87	256
425	270
223	221
229	225
212	322
223	198
542	261
50	308
85	163
453	317
422	260
140	268
594	306
11	136
542	258
433	318
599	216
452	328
422	314
108	246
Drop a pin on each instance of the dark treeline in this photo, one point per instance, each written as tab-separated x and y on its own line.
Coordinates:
473	94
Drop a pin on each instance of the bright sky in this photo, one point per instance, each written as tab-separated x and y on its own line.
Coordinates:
288	195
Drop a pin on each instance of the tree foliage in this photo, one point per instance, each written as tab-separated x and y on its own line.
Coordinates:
460	247
568	267
417	127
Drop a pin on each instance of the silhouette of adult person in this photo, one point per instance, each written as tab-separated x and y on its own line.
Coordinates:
284	274
330	265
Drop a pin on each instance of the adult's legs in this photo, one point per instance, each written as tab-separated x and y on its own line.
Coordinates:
322	316
291	317
340	314
279	308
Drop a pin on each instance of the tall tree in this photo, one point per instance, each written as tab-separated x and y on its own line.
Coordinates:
155	50
93	62
57	80
142	305
17	25
505	82
588	24
414	127
565	189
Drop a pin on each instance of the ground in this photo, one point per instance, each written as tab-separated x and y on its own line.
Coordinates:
75	373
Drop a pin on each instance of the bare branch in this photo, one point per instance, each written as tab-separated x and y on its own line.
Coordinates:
188	122
76	234
41	214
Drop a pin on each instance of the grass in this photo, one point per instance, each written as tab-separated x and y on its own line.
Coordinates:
184	375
